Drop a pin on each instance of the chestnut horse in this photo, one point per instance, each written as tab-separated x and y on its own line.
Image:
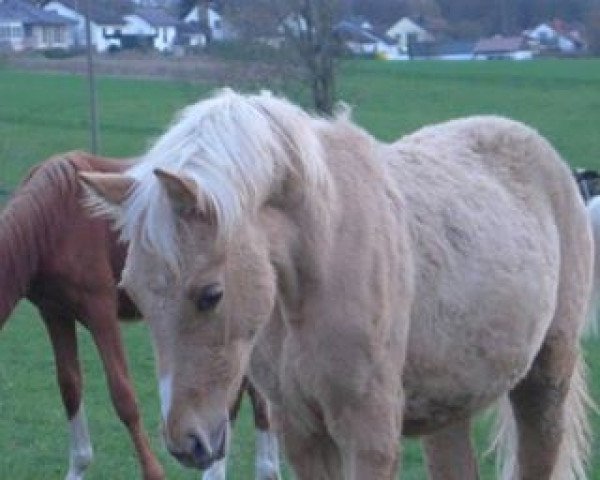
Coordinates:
67	264
374	290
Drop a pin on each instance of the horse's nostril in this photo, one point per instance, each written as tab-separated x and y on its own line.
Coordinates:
202	456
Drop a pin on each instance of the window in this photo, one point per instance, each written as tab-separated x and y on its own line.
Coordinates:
5	33
11	32
59	35
46	36
17	32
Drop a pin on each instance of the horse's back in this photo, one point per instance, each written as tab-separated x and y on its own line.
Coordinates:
493	209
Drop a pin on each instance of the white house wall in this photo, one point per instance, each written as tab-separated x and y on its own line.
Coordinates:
403	29
137	26
164	36
41	37
543	32
566	45
44	37
16	39
78	31
99	33
215	21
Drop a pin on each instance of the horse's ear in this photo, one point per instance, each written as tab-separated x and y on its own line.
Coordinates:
182	191
184	195
111	188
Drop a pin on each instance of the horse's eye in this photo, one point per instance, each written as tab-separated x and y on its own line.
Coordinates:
209	297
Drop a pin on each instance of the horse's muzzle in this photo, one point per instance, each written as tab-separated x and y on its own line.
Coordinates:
202	454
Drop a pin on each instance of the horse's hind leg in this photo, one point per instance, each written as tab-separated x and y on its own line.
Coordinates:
100	314
549	411
449	453
64	343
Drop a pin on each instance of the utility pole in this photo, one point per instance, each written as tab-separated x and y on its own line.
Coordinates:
91	82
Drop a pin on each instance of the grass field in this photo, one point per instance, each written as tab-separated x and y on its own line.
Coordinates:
41	114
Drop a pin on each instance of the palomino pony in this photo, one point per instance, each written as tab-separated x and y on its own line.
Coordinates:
67	264
375	290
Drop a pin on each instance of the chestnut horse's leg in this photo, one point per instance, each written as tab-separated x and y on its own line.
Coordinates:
267	449
100	314
450	455
61	329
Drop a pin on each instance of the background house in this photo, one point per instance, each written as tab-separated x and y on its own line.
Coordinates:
359	38
557	36
190	34
499	47
405	31
152	26
105	25
212	23
24	26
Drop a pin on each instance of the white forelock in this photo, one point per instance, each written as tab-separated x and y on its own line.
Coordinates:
237	149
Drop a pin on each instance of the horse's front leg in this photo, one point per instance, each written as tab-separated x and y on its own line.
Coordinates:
311	456
369	443
61	329
100	314
449	453
366	429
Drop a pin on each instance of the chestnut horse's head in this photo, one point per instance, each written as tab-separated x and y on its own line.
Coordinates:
198	265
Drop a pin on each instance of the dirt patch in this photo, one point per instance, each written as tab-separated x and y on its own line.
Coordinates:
201	68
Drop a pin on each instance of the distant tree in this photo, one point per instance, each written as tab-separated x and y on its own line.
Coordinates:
593	30
424	8
307	29
379	12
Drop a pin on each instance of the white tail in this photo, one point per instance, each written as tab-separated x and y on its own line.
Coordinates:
575	447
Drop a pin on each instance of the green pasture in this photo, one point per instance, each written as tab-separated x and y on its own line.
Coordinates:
42	114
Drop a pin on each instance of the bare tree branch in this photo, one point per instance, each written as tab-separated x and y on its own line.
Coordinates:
307	28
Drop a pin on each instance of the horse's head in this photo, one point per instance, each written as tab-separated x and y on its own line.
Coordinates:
204	307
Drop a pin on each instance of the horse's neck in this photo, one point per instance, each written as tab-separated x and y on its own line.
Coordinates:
299	246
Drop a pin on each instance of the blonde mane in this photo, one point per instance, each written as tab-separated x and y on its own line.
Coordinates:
238	149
